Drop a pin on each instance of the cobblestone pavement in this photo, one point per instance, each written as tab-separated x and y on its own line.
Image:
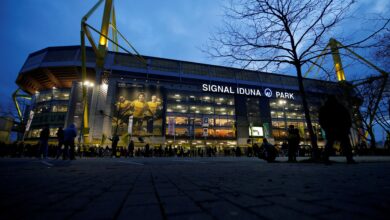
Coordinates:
193	188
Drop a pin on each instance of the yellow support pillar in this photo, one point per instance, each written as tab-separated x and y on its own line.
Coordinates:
337	60
104	32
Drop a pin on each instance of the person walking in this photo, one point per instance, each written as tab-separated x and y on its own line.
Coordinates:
60	139
293	140
44	141
69	134
130	149
336	121
255	148
146	153
114	144
284	148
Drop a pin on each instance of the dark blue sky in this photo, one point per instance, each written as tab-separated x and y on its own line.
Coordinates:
170	28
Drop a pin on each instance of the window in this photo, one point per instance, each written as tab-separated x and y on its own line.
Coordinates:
59	108
189	109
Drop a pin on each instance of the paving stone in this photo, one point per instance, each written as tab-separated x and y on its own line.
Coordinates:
74	203
200	188
244	200
225	210
179	204
342	216
190	216
276	212
141	212
169	192
49	215
141	199
200	196
344	206
304	207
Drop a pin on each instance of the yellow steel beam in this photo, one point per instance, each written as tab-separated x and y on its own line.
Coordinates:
104	30
91	11
333	44
114	31
139	57
100	51
365	61
315	62
15	97
90	38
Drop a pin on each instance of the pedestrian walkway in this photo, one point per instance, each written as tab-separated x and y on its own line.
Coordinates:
193	188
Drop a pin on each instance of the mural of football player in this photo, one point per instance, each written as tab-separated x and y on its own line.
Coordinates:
150	114
123	106
139	106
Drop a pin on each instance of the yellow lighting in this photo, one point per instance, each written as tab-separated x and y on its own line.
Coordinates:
88	83
103	41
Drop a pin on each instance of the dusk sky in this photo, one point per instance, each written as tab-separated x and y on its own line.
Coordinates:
174	29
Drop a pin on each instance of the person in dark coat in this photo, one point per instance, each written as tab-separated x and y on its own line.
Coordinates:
114	144
336	121
146	153
255	148
69	134
44	141
60	139
269	150
130	149
293	140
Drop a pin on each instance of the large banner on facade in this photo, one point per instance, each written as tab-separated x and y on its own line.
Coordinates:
138	110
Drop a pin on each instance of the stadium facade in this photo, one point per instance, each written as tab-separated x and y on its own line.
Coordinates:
166	101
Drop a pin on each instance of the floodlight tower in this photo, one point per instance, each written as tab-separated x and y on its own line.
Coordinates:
100	51
101	76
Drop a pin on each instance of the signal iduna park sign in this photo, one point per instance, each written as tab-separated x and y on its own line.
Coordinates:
247	91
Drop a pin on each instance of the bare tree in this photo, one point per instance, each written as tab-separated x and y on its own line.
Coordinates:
382	55
267	34
383	113
382	49
372	108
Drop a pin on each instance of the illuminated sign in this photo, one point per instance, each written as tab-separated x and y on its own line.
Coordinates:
256	132
247	91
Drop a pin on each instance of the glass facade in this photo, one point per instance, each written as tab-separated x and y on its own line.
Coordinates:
50	108
186	111
290	112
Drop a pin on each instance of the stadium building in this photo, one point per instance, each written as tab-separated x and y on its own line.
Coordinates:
166	101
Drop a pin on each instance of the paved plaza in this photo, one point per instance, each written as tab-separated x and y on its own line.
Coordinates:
194	188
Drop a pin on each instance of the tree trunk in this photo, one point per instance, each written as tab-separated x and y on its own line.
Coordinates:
372	136
313	136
